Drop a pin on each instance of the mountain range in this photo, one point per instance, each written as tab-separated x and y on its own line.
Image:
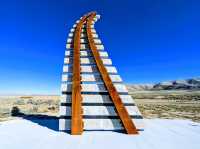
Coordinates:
187	84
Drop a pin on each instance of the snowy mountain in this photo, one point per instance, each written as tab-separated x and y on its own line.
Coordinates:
193	83
188	84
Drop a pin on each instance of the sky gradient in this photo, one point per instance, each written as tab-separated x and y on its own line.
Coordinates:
148	40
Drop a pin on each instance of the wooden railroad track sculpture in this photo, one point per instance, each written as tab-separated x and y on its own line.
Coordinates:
93	95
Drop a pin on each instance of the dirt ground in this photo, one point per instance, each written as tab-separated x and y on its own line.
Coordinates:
169	105
45	105
169	109
152	104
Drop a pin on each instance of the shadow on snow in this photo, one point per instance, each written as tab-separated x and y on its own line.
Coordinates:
51	122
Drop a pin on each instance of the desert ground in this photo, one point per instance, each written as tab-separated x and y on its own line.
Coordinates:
169	104
152	104
45	105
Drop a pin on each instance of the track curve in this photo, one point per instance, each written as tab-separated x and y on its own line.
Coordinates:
121	110
93	95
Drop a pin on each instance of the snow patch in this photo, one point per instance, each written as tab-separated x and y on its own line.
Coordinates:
158	134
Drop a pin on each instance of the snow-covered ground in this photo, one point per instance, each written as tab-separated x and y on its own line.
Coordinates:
43	134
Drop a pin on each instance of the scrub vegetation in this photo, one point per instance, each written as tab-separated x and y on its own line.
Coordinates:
169	105
45	105
152	104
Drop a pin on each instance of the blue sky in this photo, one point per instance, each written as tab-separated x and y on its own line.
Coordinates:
148	40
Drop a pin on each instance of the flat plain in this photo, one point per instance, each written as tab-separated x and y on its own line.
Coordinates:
152	104
169	104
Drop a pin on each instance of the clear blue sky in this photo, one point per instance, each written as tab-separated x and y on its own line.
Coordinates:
148	40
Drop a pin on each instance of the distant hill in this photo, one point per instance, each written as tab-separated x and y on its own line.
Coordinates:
188	84
139	87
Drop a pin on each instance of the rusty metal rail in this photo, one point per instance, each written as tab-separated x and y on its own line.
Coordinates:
76	109
121	110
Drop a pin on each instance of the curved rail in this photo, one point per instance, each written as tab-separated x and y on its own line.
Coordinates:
121	110
76	110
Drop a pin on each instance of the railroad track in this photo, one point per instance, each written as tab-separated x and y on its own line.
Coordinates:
93	95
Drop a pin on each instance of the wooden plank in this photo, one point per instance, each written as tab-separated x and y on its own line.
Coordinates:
83	35
89	69
82	30
87	98
122	112
102	88
96	41
86	53
98	88
106	61
100	124
84	46
99	110
97	78
105	99
91	78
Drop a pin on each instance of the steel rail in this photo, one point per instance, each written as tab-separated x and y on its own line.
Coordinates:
76	110
121	110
